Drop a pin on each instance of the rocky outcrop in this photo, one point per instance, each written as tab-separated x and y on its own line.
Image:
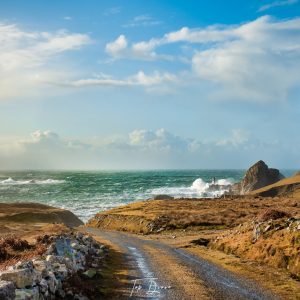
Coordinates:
163	197
258	176
31	213
44	277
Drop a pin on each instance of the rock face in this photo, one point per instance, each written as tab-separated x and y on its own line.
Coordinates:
258	176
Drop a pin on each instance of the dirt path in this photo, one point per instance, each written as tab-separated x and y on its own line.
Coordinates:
159	271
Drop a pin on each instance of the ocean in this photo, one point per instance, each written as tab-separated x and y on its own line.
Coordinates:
86	193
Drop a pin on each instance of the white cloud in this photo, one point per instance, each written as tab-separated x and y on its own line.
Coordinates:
238	137
120	48
112	11
277	4
117	47
159	141
261	64
255	61
142	21
24	55
67	18
140	149
139	79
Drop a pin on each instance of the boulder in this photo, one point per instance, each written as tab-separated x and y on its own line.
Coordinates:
28	294
52	282
259	175
7	290
20	277
43	284
201	242
90	273
42	266
163	197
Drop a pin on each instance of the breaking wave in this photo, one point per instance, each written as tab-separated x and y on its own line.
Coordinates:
199	188
10	181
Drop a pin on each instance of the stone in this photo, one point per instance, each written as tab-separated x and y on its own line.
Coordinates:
43	284
42	266
61	293
84	249
201	242
79	235
61	271
51	250
75	245
51	258
20	277
24	265
90	273
100	252
80	297
163	197
7	290
63	247
259	175
28	294
52	282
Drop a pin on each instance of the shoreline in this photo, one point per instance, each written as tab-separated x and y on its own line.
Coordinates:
246	235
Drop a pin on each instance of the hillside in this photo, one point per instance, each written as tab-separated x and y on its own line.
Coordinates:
159	215
288	187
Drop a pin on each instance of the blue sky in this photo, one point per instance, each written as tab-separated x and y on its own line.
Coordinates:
149	84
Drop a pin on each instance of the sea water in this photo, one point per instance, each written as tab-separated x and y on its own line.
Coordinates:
86	193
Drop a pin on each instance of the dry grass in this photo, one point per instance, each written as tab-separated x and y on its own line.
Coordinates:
288	187
158	215
272	214
278	243
24	243
14	249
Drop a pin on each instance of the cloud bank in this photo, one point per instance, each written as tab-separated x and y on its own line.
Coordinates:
257	61
141	149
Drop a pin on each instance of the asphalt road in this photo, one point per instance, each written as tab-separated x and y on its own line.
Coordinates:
159	271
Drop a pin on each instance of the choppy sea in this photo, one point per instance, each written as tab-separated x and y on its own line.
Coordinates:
86	193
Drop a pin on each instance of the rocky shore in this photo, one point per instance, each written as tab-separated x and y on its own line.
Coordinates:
50	275
258	223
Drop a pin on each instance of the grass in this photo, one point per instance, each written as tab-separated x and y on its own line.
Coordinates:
160	215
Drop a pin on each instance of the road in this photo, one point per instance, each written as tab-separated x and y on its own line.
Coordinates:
159	271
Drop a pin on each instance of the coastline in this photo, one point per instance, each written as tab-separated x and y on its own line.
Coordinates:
253	237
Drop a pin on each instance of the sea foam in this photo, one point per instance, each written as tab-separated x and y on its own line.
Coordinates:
199	188
10	181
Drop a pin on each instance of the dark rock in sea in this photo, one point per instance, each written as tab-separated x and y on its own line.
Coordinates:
163	197
258	176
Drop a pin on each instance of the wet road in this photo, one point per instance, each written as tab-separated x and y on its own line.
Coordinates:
159	271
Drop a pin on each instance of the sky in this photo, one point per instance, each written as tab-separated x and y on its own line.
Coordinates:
149	84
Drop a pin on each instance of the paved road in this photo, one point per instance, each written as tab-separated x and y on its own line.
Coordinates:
160	271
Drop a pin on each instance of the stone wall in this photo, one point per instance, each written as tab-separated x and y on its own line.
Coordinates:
43	277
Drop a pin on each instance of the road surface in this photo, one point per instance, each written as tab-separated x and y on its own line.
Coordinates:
159	271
